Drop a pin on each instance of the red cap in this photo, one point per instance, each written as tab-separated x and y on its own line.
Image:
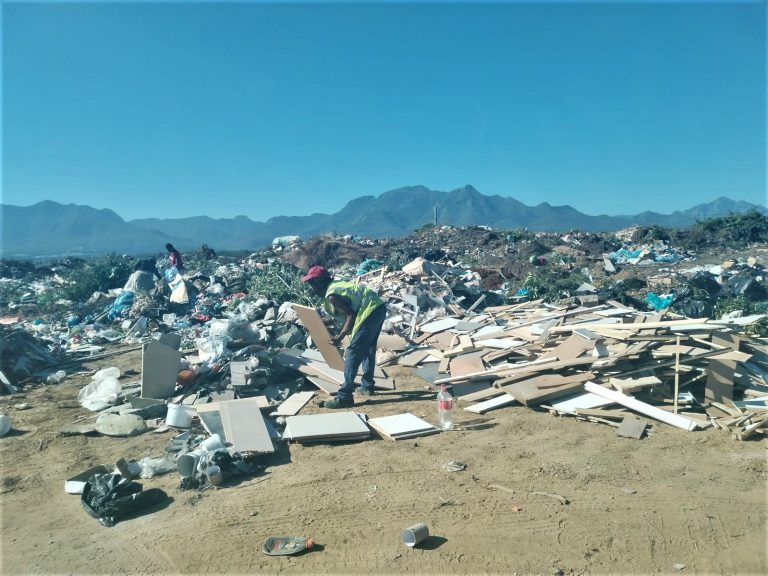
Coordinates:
315	272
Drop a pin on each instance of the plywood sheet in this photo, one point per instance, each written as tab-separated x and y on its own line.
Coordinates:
316	356
529	394
400	426
330	388
311	320
573	347
629	385
719	380
467	364
244	426
327	426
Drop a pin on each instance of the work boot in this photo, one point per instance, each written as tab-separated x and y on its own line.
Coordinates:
365	391
336	403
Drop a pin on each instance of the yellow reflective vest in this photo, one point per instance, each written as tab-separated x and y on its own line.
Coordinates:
361	299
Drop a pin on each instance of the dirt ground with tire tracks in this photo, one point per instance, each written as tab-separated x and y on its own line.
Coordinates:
634	507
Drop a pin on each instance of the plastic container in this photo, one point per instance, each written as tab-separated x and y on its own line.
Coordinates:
445	409
5	424
415	534
179	416
284	545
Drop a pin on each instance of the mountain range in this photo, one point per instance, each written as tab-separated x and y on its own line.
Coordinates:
50	229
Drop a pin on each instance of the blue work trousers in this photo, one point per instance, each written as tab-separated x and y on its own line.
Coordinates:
362	351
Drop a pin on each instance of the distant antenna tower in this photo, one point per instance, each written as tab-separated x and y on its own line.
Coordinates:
434	215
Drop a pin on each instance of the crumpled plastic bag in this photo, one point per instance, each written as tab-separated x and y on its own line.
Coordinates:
102	392
211	349
110	498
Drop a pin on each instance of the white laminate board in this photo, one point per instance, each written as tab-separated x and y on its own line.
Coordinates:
399	424
498	402
329	424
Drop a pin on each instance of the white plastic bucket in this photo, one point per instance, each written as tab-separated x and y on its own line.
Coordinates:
179	416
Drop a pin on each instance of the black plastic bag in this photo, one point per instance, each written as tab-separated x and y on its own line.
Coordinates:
110	498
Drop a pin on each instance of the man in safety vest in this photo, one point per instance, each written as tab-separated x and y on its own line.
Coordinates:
363	314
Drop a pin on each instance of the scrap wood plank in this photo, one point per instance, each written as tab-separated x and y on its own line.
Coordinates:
482	407
627	385
527	393
572	347
466	364
750	430
311	320
632	427
414	358
638	406
482	394
293	404
392	342
719	384
441	340
330	388
633	327
555	380
492	372
337	376
309	354
598	413
465	346
542	365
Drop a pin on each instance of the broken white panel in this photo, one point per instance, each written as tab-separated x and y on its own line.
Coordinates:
439	325
582	401
500	343
642	407
493	403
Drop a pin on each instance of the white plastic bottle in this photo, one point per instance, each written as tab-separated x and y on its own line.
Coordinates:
445	409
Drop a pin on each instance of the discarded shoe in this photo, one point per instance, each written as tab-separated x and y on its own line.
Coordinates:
336	403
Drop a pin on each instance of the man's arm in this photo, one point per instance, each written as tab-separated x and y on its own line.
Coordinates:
340	304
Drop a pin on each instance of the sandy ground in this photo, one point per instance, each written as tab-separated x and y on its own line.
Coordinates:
635	507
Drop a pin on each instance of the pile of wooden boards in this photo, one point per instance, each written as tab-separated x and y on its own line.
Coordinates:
689	373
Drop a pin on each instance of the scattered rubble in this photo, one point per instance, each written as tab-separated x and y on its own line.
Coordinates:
581	326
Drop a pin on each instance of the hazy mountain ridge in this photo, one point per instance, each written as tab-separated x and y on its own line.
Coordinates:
52	229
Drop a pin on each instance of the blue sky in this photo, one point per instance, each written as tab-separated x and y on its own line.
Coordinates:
265	109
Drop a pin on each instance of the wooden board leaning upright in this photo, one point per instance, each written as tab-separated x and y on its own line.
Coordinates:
311	320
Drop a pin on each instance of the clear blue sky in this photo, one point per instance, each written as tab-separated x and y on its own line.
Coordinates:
265	109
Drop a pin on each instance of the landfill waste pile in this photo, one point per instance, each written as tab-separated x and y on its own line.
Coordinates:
634	336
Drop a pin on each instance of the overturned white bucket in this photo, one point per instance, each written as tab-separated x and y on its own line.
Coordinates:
179	416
